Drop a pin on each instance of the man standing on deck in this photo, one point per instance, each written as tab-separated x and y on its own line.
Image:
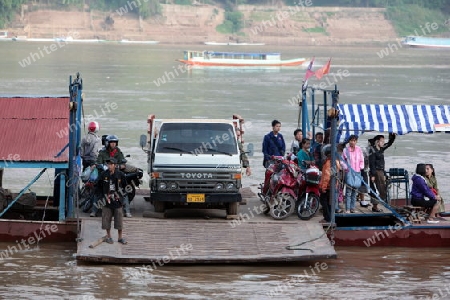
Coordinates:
112	184
273	143
243	154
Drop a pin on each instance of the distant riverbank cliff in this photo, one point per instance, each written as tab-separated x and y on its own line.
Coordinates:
181	24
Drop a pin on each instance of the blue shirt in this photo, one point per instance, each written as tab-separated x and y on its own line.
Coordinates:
273	145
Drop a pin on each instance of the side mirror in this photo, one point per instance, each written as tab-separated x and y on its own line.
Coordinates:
143	141
104	139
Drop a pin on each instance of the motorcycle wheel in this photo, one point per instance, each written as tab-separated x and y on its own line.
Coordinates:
283	205
266	209
87	204
312	206
83	196
132	193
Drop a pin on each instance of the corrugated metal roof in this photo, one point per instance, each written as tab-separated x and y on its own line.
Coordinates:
34	129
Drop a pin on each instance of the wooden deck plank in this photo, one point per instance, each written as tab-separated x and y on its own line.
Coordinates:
213	241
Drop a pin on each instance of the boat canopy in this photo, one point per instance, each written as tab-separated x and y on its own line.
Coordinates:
400	119
242	53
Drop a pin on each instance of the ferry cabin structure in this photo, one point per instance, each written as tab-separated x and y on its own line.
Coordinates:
237	59
396	224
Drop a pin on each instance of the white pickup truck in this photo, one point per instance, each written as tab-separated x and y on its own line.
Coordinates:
194	163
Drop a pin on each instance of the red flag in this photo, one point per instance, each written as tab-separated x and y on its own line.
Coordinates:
309	72
323	71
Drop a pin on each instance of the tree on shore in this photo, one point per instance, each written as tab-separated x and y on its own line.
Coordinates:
7	10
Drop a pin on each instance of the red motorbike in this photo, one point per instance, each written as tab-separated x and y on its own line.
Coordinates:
280	189
309	193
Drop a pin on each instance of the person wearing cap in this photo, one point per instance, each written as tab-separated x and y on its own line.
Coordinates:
111	150
90	145
112	185
377	165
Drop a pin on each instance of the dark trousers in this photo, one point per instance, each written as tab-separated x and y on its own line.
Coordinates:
380	185
326	206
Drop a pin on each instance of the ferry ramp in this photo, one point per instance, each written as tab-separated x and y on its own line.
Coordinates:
206	236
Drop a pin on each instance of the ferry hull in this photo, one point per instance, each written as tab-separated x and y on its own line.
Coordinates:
412	237
427	42
427	46
48	231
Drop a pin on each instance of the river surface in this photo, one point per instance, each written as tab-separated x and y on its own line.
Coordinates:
141	80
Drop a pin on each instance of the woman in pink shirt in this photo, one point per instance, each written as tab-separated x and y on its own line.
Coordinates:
354	157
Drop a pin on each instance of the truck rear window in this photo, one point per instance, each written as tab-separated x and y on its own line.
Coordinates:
197	138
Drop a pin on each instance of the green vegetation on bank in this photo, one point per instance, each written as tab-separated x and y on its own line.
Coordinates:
412	19
406	15
232	24
7	10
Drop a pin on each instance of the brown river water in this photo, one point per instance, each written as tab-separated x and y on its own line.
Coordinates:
142	80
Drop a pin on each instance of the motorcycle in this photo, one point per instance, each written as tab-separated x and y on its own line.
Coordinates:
309	193
87	191
279	191
133	176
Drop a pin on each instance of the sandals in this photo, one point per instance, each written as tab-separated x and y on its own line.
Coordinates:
122	241
432	221
109	240
377	209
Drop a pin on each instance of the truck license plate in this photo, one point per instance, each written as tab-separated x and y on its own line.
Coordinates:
195	197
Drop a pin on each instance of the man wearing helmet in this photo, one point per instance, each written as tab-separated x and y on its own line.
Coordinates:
90	145
112	151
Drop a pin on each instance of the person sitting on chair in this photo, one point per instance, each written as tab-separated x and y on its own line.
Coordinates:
422	195
430	177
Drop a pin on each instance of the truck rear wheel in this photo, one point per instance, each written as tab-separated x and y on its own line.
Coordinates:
232	208
159	206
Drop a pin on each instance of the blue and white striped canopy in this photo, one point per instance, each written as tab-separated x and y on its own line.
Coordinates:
400	119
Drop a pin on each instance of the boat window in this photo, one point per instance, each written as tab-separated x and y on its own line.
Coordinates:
197	138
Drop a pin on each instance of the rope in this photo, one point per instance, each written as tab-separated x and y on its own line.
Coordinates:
293	247
75	182
45	208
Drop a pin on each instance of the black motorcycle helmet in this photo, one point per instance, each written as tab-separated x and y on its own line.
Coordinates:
111	138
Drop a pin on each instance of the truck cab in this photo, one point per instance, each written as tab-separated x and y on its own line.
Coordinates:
194	163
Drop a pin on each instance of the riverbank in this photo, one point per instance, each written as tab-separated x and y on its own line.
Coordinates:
181	24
